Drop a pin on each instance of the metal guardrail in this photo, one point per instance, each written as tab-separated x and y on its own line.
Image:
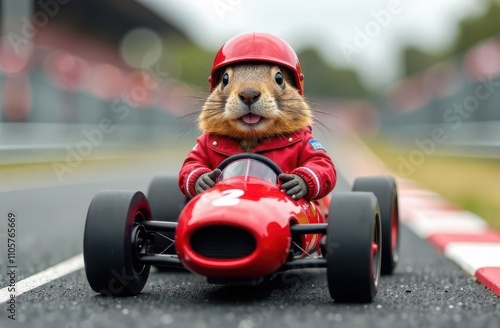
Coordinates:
49	142
464	124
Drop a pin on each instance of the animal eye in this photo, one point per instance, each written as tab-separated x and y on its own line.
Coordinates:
225	80
279	79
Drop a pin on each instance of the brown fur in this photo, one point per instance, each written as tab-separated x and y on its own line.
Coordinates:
283	110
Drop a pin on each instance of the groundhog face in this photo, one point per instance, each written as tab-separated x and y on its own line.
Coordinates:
254	101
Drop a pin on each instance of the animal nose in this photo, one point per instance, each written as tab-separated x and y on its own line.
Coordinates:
249	96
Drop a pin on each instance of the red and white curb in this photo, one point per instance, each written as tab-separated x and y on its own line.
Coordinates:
460	235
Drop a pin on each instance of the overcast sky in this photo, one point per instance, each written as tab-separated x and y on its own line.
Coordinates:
365	35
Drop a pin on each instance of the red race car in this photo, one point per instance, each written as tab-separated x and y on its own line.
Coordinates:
242	231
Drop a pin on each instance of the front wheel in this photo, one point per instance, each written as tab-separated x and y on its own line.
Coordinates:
113	241
386	192
353	247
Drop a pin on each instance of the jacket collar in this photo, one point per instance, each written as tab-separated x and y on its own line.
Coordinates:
228	146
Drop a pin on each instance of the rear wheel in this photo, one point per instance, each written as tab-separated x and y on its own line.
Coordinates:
353	247
113	240
167	202
385	190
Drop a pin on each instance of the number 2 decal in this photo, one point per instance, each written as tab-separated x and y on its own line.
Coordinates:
229	197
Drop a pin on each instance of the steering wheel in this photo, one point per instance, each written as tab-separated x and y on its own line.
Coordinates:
263	159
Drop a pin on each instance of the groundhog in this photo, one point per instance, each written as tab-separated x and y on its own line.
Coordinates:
257	105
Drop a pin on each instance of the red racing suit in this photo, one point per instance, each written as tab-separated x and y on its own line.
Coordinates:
296	153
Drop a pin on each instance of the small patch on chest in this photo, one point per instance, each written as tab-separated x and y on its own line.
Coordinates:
316	145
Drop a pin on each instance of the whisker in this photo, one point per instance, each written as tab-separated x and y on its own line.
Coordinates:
320	124
185	116
325	113
184	130
214	101
210	115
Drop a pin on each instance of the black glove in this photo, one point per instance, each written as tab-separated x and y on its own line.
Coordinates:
293	185
206	181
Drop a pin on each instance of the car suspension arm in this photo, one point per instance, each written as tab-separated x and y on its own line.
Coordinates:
159	226
311	228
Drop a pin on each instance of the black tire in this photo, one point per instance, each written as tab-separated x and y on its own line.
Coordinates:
353	267
109	247
386	192
167	202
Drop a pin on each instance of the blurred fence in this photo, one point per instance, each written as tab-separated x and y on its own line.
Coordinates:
71	86
55	122
62	102
453	109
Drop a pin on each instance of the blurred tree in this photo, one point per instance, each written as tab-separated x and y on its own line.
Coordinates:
471	31
322	79
475	29
194	63
416	60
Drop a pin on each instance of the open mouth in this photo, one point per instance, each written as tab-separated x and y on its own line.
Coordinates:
251	119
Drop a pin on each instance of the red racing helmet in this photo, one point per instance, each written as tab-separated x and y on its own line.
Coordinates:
257	47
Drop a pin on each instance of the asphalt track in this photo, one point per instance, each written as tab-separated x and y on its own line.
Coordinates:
427	290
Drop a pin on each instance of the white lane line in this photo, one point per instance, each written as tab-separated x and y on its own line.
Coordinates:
57	271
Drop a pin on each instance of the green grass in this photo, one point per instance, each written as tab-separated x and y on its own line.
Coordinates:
472	183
